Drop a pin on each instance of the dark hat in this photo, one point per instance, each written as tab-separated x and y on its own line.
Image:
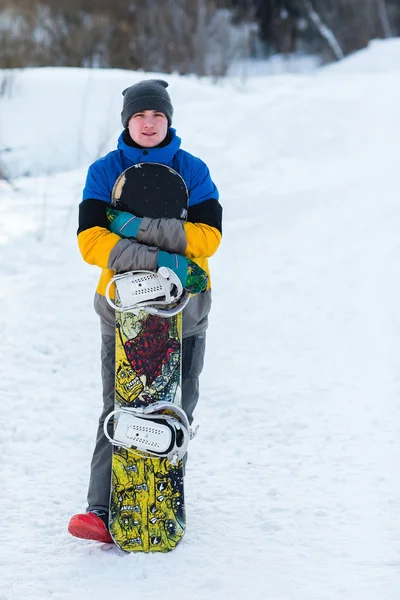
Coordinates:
146	95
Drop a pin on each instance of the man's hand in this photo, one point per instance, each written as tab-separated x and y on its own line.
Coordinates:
123	223
193	278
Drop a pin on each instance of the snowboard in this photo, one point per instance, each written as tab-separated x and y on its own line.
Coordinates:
147	504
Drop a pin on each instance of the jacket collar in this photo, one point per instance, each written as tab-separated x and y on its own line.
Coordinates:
163	155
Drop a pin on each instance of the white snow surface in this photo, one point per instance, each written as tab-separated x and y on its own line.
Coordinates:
380	56
292	485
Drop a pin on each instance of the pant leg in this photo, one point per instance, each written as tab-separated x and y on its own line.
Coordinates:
100	470
193	349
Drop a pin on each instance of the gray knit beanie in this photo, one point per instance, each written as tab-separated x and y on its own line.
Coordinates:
146	95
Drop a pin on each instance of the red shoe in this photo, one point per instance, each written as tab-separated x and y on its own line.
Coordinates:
91	526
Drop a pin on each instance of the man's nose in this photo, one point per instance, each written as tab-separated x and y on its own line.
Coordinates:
149	122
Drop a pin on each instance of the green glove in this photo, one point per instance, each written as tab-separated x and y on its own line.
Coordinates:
193	278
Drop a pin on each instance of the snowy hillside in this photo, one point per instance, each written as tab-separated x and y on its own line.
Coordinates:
292	486
381	56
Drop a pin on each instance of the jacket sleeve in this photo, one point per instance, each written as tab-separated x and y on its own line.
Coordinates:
200	236
95	241
97	244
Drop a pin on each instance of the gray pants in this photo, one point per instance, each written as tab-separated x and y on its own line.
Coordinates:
193	349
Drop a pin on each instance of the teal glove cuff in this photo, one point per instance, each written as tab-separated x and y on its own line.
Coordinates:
123	223
192	277
175	262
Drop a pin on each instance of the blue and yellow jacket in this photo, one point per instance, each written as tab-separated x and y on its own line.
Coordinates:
197	238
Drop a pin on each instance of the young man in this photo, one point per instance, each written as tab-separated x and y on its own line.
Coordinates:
133	244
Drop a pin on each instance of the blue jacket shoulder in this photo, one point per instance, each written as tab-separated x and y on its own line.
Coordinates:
197	177
102	175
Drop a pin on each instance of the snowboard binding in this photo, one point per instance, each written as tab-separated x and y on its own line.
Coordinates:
161	429
149	291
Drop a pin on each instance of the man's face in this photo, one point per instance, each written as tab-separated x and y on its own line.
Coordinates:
148	128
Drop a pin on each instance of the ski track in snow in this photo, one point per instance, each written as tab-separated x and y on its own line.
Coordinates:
292	486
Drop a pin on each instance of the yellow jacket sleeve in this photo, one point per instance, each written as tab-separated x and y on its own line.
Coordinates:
202	240
95	245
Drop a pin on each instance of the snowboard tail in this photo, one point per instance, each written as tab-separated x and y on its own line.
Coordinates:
147	503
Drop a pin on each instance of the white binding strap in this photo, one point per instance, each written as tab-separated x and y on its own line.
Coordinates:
150	432
149	291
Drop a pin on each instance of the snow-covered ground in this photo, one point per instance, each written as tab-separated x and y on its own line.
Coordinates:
293	486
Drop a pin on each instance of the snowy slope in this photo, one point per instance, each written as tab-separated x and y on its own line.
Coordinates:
381	56
292	485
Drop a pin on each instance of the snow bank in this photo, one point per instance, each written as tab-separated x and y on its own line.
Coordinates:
381	56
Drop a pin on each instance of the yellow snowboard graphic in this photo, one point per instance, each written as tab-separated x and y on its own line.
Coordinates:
147	512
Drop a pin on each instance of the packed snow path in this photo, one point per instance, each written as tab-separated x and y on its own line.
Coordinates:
292	485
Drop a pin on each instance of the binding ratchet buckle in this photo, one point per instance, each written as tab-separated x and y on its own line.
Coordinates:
149	291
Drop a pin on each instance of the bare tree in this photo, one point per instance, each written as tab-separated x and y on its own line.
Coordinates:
200	36
384	18
290	24
325	31
184	36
